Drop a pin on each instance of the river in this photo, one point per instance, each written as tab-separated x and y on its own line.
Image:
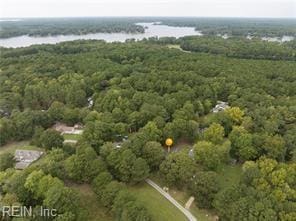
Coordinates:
152	30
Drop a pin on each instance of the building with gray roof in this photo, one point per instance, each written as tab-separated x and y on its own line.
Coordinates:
25	157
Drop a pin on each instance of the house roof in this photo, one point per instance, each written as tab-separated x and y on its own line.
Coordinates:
64	129
25	157
220	106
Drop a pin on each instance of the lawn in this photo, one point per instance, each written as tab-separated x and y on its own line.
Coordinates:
71	136
229	175
176	47
94	211
11	147
200	214
182	197
159	207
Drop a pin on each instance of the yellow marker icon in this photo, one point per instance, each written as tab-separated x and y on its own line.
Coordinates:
169	142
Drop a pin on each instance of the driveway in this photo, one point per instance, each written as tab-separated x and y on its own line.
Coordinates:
189	216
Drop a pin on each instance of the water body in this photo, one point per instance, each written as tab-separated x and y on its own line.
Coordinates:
152	30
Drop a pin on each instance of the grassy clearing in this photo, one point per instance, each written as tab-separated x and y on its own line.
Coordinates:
177	47
94	210
229	175
174	46
11	147
182	197
200	214
72	136
159	207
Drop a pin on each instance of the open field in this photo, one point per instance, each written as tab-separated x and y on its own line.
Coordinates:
159	207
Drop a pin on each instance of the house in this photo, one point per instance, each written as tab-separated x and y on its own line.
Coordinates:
25	157
220	106
64	129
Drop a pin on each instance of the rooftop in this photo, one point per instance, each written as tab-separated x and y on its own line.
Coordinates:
64	129
25	157
220	106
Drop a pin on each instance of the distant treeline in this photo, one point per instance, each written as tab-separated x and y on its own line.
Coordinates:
259	27
240	47
66	26
235	47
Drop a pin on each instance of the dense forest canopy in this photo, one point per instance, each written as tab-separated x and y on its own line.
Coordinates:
241	47
208	26
148	91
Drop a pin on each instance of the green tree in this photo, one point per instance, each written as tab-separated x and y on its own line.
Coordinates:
51	139
32	182
128	209
84	165
140	170
208	155
6	161
65	200
126	166
7	131
100	182
76	97
214	134
53	163
186	112
95	133
56	111
203	186
236	114
36	137
154	154
225	200
274	147
23	124
151	132
10	199
109	193
177	169
242	144
15	183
